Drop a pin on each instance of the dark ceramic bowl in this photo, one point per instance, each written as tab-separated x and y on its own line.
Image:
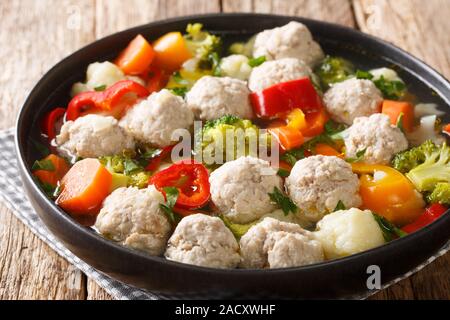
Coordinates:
334	279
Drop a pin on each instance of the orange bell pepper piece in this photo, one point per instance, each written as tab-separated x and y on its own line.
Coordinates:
396	109
137	56
315	123
288	137
171	51
327	150
54	176
388	193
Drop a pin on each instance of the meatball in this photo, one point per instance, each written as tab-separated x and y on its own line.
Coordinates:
377	136
154	120
347	232
132	217
352	98
205	241
213	97
240	189
292	40
275	244
235	66
317	184
273	72
92	136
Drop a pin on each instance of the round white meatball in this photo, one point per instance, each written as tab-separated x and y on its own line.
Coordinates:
213	97
377	136
292	40
317	184
155	119
205	241
235	66
92	136
240	189
347	232
275	244
132	217
352	98
273	72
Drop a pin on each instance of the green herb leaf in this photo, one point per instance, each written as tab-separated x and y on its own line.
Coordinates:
283	172
292	156
340	206
361	74
214	59
171	198
100	88
130	166
359	156
392	90
389	230
179	79
45	165
179	91
283	201
254	62
332	127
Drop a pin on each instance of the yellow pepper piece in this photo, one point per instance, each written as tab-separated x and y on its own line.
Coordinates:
296	119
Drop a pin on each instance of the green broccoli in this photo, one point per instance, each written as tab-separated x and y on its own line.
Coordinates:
204	46
126	170
440	194
334	69
238	230
214	136
407	160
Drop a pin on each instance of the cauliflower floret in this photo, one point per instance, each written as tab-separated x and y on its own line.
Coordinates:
205	241
347	232
387	73
132	217
155	119
377	136
317	184
235	66
275	244
240	189
292	40
101	74
273	72
352	98
92	136
213	97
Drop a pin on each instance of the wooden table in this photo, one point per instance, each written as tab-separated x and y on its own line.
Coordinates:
36	34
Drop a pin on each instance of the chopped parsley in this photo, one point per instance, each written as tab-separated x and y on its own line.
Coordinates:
340	206
254	62
283	201
171	198
359	156
45	165
100	88
390	231
283	172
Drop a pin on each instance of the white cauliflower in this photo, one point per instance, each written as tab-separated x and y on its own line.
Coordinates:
132	217
273	72
317	184
213	97
292	40
92	136
205	241
235	66
155	119
352	98
240	189
346	232
377	136
275	244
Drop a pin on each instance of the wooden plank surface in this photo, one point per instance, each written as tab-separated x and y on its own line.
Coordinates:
28	268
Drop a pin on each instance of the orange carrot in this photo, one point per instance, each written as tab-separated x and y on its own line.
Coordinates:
288	137
137	56
394	109
446	128
326	150
84	188
171	51
51	177
315	123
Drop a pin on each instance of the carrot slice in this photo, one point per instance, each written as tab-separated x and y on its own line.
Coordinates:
84	188
171	51
394	109
446	128
288	137
326	150
136	57
52	177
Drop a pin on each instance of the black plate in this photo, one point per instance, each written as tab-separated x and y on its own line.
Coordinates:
335	279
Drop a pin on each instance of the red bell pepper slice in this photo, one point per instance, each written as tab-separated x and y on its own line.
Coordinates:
431	214
155	78
155	162
276	101
103	101
49	122
191	180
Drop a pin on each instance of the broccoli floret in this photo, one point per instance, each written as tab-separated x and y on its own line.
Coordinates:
334	69
435	167
407	160
203	45
440	194
123	165
238	230
215	133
